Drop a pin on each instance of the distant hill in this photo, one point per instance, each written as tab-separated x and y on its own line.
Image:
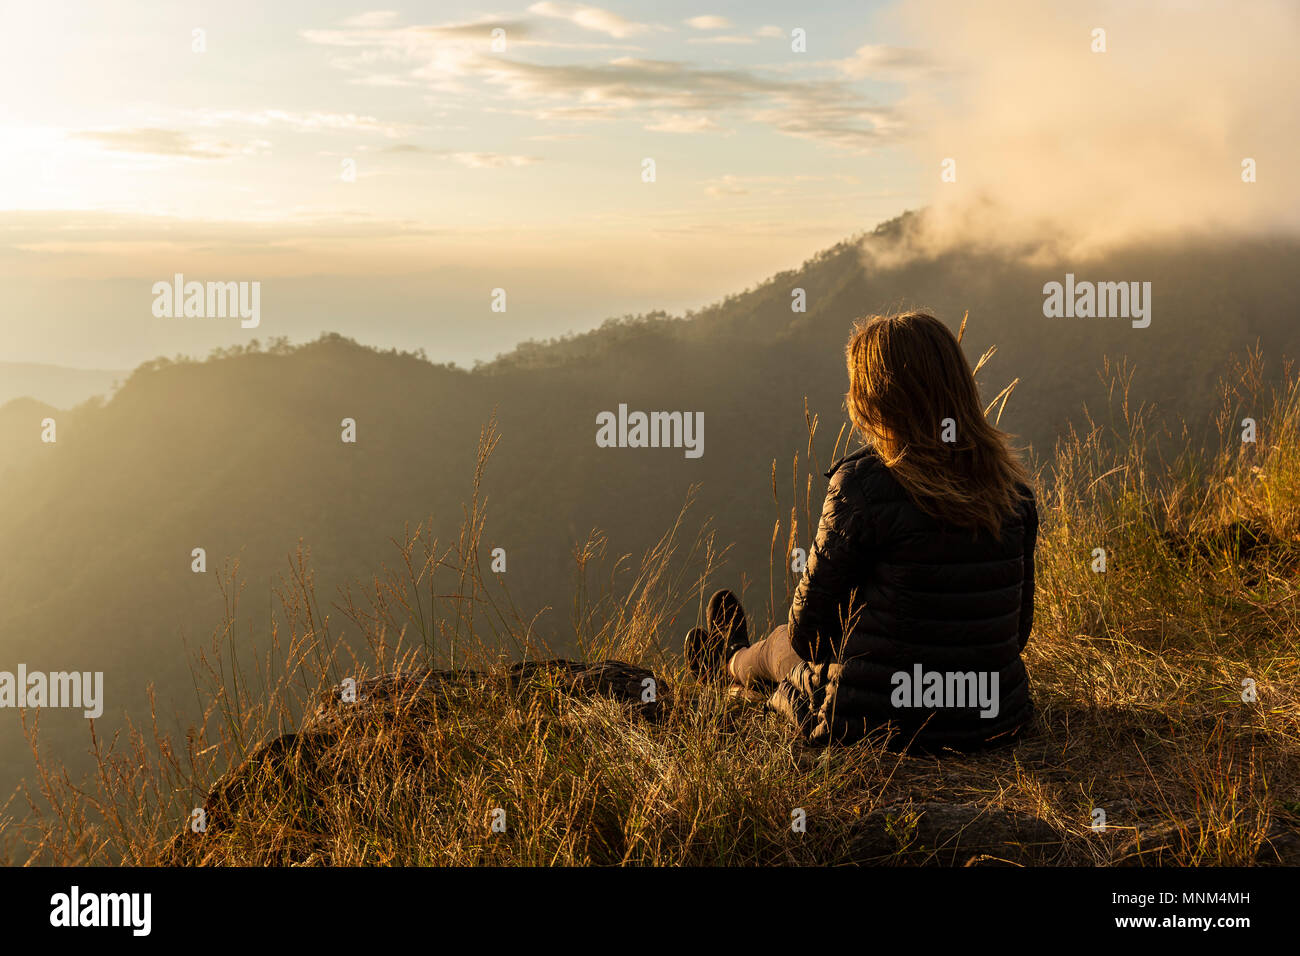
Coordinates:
20	429
54	384
241	454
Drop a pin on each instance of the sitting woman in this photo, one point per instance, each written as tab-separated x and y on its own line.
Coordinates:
918	596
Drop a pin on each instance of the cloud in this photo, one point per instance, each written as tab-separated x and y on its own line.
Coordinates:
632	81
154	141
842	122
385	54
373	18
492	160
729	185
360	32
680	123
1054	143
725	39
629	87
557	137
570	114
389	55
590	18
733	185
769	31
708	23
473	160
39	229
816	110
875	60
310	122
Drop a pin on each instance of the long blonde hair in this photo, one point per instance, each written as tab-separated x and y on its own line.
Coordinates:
907	374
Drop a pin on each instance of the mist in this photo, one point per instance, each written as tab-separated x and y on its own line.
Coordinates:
1058	151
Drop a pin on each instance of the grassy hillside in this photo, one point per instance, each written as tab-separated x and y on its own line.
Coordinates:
1140	674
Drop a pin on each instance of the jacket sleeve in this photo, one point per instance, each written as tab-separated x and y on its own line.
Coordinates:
1027	589
821	601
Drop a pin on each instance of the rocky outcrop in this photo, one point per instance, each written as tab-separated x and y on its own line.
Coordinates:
397	706
421	694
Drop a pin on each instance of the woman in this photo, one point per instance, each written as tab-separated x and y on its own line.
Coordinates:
919	591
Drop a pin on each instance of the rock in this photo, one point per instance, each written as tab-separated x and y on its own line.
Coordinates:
418	695
414	697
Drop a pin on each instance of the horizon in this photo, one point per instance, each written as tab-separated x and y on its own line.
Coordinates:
390	158
382	173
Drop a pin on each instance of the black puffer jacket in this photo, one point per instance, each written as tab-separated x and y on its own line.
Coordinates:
890	591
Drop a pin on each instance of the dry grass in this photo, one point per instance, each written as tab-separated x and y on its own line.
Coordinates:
1137	673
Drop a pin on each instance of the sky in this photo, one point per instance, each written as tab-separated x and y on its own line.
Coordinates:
381	171
130	155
